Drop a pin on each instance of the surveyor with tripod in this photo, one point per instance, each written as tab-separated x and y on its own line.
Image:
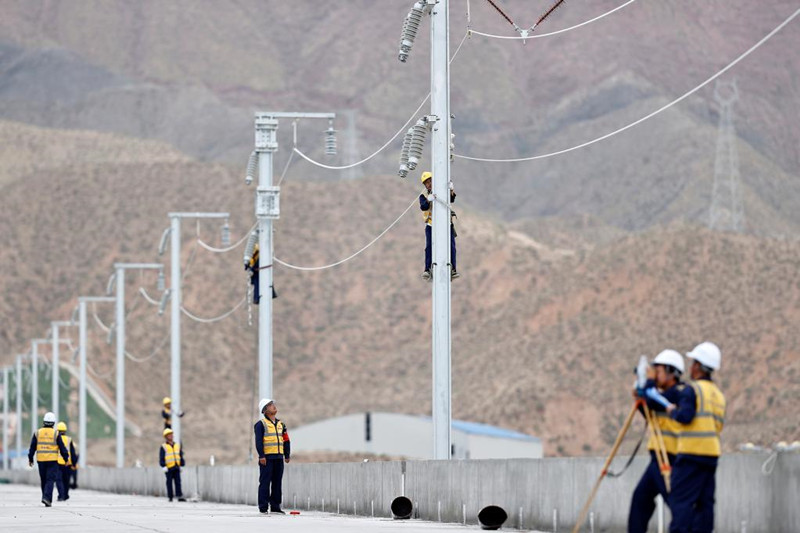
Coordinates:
668	366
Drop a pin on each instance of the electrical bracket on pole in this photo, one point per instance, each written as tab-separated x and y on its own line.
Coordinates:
268	202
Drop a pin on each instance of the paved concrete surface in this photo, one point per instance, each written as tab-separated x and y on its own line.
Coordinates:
90	511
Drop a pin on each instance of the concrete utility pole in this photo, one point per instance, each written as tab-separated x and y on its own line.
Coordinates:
267	210
120	269
56	377
83	343
5	418
441	267
19	406
35	381
175	309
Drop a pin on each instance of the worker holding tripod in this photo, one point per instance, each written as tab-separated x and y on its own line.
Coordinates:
669	367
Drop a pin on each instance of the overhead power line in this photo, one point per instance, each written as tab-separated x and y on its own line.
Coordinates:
348	258
654	113
379	150
564	30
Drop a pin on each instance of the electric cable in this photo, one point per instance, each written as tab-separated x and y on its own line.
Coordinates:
97	374
373	241
401	130
216	318
564	30
151	355
231	247
285	168
147	297
654	113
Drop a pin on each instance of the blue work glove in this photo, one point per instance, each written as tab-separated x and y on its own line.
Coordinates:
653	394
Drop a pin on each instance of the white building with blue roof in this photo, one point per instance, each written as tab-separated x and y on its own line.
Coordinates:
411	436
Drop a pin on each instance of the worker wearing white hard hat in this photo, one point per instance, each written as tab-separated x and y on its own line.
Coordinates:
274	448
700	410
47	445
669	367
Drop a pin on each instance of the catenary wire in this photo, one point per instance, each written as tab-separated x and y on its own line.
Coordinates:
549	34
373	241
216	318
401	130
654	113
231	247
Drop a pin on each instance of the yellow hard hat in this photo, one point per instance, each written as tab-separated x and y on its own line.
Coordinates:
167	431
62	427
166	400
425	175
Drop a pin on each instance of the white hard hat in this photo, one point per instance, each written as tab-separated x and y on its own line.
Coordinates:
670	358
49	418
707	354
263	403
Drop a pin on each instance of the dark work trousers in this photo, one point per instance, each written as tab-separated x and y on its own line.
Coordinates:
48	474
429	248
692	496
643	502
73	476
270	479
174	476
62	481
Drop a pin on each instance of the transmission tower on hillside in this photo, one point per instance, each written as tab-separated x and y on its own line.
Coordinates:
727	211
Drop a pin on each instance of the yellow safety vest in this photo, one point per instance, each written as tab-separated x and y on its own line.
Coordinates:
701	435
273	437
670	429
67	441
427	215
168	418
172	454
46	445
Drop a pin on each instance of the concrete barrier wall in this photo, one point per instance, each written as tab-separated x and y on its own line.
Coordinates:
530	490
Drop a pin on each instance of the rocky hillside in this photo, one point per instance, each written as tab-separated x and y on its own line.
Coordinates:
190	73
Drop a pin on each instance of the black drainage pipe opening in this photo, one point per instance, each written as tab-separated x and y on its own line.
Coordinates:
402	508
492	517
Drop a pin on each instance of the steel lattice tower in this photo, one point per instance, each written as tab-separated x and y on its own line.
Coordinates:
727	211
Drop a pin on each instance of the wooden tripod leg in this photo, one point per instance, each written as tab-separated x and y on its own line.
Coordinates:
661	450
617	443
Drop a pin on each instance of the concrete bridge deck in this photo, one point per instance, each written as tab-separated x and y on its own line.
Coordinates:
91	511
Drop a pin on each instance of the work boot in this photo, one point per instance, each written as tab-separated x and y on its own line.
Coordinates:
263	511
170	499
181	499
454	274
47	503
277	511
426	275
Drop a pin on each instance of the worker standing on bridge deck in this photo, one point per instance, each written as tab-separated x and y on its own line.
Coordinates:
166	412
426	200
701	411
272	443
668	367
65	465
170	457
47	445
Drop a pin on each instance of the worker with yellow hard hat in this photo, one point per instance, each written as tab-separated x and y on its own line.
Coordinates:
47	445
166	412
65	464
426	199
170	457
